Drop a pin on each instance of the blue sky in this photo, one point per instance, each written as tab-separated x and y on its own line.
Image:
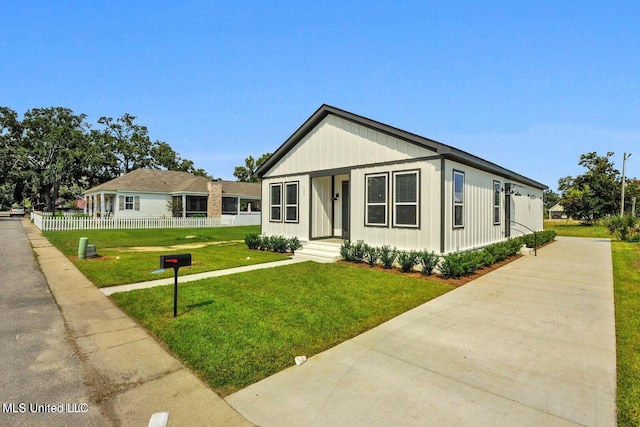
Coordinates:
529	85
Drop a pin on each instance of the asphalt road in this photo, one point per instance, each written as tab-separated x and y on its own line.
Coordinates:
40	373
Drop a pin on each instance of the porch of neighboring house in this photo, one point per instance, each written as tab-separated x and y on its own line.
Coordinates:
186	206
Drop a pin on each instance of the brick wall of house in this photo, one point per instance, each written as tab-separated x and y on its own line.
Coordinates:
214	202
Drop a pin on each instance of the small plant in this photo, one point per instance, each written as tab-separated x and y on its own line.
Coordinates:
293	244
428	261
450	266
265	243
345	250
387	256
253	240
623	227
357	251
407	260
279	244
371	254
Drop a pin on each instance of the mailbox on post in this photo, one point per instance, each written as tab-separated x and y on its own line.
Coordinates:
175	261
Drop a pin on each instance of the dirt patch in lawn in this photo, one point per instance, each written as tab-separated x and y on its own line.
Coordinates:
174	247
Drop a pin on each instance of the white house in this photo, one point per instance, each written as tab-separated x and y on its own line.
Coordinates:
344	176
151	192
557	212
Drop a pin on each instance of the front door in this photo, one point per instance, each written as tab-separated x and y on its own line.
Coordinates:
345	209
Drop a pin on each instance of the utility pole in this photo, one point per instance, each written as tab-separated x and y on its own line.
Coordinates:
624	159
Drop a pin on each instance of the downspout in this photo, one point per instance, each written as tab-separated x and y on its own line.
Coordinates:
442	204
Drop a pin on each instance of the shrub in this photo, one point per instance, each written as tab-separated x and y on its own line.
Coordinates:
264	243
540	237
407	260
450	266
253	240
293	244
345	250
623	227
357	251
278	244
428	261
371	254
387	256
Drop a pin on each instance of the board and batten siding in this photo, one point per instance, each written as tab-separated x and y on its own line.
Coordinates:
427	235
338	143
298	229
479	228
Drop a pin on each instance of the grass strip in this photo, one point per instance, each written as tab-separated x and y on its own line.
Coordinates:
626	277
236	330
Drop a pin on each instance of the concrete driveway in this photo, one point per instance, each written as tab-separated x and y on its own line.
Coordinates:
531	344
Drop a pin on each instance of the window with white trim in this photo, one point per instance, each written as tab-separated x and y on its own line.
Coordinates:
291	202
458	199
405	199
496	202
275	197
128	203
376	199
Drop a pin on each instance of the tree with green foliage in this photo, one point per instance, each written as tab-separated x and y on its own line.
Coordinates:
53	150
594	194
10	140
247	173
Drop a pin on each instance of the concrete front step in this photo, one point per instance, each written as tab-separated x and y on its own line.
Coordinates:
321	249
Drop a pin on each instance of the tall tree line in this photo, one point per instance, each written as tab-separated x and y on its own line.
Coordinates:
51	151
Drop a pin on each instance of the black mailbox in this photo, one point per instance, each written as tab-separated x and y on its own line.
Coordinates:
175	261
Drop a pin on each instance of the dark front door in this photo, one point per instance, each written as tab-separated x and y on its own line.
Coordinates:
345	209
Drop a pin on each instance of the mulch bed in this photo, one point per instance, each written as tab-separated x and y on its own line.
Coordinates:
439	278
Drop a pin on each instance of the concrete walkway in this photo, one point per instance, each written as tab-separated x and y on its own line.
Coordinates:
207	274
530	344
129	374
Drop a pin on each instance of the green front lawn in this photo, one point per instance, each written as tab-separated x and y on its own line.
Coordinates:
574	229
130	256
626	277
235	330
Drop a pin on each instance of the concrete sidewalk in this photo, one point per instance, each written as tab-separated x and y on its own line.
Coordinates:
199	276
530	344
129	374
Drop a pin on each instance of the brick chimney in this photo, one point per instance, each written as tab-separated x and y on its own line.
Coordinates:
214	201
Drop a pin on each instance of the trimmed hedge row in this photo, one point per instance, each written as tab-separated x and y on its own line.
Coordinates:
272	243
452	265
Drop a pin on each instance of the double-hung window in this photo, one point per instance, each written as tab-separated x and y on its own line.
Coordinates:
376	199
496	202
275	196
128	203
291	202
405	199
458	199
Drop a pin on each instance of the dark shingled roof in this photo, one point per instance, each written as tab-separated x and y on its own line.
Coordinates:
161	181
444	150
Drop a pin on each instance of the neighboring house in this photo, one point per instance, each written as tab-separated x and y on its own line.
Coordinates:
151	193
557	212
341	175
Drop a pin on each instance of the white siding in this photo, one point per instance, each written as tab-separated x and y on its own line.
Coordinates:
427	236
299	229
338	143
479	228
151	205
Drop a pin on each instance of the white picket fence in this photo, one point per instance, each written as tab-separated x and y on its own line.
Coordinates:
48	223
